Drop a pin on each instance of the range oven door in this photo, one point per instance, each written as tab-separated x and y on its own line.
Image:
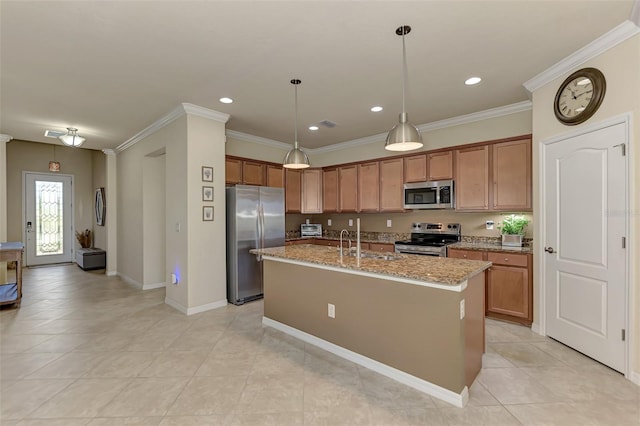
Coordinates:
421	250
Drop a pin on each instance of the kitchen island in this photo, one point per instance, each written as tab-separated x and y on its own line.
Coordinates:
416	319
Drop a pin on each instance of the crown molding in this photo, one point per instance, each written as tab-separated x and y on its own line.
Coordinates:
205	112
108	152
600	45
441	124
180	110
5	138
246	137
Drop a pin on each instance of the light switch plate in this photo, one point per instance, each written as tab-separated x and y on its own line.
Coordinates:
328	222
331	310
388	223
350	222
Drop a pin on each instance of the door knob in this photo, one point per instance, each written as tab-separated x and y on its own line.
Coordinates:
549	250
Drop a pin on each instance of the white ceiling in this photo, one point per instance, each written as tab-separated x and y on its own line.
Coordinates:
113	68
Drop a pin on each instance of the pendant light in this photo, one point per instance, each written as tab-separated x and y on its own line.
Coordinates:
296	158
404	136
72	138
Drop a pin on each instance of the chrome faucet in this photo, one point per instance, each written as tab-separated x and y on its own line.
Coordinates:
344	230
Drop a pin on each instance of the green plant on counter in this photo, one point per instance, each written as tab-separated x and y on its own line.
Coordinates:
513	225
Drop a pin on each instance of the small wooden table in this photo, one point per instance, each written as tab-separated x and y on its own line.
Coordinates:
12	252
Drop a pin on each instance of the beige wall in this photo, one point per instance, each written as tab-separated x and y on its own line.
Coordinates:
131	238
35	157
154	221
621	67
256	151
207	247
99	179
478	131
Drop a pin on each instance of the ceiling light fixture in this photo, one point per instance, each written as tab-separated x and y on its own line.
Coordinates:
472	80
226	100
313	128
376	109
404	136
72	138
296	158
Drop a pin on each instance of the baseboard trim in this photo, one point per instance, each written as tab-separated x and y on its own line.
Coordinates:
634	376
197	309
130	281
459	400
153	285
535	327
111	273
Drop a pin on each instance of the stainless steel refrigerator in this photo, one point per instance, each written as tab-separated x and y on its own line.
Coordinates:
255	219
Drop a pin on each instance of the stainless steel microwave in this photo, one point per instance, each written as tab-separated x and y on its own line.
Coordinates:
429	195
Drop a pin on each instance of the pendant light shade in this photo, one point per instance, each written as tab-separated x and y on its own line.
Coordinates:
296	158
404	136
72	138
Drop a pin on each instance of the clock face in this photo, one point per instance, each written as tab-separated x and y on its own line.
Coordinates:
579	96
575	96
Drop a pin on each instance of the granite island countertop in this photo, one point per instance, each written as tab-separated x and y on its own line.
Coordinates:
421	270
485	246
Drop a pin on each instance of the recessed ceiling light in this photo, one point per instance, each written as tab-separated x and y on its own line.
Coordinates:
226	100
313	128
473	80
376	109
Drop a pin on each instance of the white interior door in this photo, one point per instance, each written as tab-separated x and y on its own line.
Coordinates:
585	185
48	218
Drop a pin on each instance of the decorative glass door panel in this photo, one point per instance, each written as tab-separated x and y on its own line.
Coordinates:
48	224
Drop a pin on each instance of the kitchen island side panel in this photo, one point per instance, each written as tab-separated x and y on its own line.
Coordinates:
415	329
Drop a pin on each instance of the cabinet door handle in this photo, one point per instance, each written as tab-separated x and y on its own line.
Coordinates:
549	250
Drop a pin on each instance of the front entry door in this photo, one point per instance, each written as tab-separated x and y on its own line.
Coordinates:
48	221
585	199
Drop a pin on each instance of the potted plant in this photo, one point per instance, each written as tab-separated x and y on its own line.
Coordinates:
512	230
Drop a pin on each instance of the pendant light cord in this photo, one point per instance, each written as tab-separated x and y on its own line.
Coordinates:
404	71
295	119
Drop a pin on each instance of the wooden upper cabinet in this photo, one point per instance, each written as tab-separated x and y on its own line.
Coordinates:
312	191
369	187
391	185
275	176
348	188
472	178
330	190
253	173
233	171
292	190
512	175
440	165
415	168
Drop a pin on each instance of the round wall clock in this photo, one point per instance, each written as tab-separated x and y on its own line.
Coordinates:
579	96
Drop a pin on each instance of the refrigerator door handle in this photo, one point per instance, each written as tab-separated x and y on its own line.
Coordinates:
260	242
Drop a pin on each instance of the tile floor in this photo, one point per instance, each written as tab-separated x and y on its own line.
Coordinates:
86	349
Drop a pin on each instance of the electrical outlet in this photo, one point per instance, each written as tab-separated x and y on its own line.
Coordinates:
331	310
388	223
462	309
174	279
328	222
177	226
489	224
350	222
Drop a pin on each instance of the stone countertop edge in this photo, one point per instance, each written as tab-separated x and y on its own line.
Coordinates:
437	272
527	249
362	240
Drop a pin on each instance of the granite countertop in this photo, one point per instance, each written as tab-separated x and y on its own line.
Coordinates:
486	246
427	269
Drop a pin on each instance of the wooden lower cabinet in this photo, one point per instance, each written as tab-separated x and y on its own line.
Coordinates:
382	247
509	284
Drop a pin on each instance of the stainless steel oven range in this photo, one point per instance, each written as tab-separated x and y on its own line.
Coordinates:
430	239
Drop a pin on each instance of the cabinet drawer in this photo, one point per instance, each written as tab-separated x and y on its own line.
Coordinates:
465	254
508	259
